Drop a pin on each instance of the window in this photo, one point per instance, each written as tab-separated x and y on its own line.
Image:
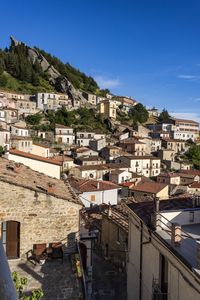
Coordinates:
92	198
119	235
4	234
163	275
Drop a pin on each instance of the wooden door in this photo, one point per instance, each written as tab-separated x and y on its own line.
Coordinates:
12	239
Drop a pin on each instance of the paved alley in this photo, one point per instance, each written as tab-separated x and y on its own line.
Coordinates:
108	282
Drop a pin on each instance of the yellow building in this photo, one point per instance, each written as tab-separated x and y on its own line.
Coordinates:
107	108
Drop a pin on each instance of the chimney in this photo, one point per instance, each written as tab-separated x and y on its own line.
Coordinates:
98	185
50	188
156	215
109	210
17	167
176	234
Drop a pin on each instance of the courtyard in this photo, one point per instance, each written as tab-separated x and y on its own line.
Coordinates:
57	279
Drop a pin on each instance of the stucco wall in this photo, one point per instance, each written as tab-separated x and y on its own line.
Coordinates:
182	282
40	166
109	196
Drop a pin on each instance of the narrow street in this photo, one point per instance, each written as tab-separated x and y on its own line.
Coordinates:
108	282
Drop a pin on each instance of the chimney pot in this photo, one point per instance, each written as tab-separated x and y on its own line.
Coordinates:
109	210
176	234
50	188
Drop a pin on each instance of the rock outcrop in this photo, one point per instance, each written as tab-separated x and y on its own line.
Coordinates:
62	83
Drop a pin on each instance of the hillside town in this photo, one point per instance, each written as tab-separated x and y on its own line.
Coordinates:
124	200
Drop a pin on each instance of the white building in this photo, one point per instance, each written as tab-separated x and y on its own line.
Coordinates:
4	138
143	165
83	138
41	164
52	101
164	250
40	150
19	130
120	176
64	134
93	192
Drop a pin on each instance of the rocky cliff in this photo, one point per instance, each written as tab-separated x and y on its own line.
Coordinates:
55	77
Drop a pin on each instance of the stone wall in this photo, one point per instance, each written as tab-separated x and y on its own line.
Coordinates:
115	238
46	220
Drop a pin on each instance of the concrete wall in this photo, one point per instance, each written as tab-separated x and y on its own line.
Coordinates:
49	220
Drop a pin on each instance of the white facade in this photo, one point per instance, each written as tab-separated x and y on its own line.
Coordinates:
5	139
19	131
120	177
40	150
42	166
184	135
83	138
99	197
65	135
146	166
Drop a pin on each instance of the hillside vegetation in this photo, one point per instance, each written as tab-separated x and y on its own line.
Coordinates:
18	73
82	118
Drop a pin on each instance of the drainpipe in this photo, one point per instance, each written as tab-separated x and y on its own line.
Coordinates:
7	289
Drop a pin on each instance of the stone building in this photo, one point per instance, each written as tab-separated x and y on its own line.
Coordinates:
114	235
35	209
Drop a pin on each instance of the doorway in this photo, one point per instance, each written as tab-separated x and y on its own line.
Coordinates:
11	238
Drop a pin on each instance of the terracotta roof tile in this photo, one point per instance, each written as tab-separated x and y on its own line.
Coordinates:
88	185
149	187
18	174
35	157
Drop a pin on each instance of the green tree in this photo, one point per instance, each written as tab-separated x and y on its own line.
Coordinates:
193	154
139	114
1	151
34	119
164	116
3	80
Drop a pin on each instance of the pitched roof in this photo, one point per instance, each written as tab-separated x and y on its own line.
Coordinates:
169	175
191	172
103	167
20	175
195	185
62	126
138	157
185	121
88	185
90	158
131	141
35	157
149	187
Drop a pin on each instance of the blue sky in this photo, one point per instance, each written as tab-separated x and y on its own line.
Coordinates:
149	50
